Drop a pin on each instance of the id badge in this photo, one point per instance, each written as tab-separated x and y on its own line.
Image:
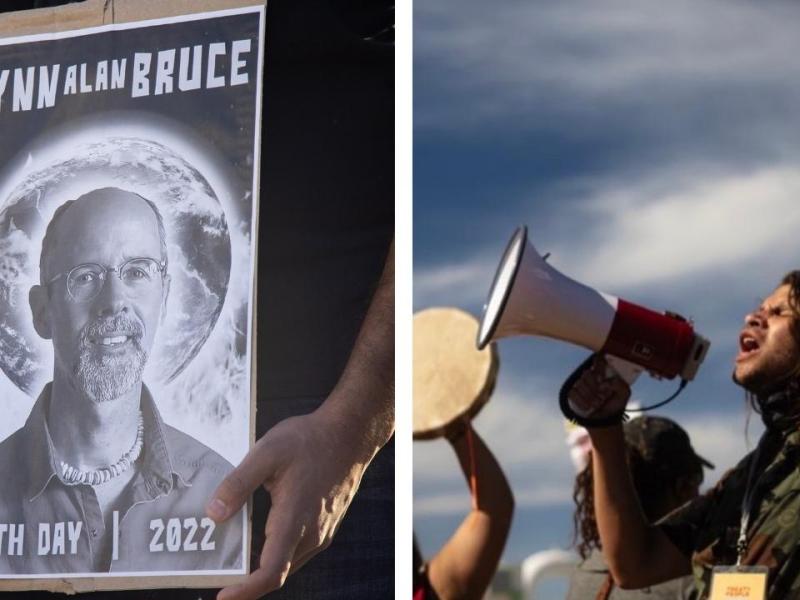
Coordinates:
739	583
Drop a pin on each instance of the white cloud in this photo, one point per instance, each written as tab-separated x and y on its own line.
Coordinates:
711	225
522	55
455	503
662	228
721	439
513	416
441	504
453	283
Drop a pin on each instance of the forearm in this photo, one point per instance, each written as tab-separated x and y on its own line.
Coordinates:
620	521
464	567
493	494
637	553
364	393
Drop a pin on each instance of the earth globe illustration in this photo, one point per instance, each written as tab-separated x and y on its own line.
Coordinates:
198	248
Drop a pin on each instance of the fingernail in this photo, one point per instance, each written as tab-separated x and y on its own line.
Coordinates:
217	509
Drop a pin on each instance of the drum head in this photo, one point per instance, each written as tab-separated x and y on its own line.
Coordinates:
452	378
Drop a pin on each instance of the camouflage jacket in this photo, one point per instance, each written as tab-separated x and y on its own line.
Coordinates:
707	528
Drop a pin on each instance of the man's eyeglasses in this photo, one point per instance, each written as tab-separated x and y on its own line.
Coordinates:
139	275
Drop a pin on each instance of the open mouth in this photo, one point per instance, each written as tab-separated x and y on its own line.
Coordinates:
747	345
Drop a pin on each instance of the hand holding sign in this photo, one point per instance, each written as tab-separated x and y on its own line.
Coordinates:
312	465
312	468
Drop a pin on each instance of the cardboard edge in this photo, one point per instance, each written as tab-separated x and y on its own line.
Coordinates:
60	18
126	12
254	298
92	13
72	586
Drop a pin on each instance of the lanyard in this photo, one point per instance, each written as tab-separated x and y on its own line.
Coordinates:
749	501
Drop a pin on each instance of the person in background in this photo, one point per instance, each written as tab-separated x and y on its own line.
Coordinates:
464	566
666	473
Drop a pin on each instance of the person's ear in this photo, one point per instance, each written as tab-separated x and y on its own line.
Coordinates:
40	308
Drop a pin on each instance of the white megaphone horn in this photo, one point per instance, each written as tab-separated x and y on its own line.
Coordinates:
529	297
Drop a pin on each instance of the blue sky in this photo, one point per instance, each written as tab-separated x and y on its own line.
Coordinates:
652	149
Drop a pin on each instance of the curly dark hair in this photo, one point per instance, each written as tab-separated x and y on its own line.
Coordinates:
585	536
792	279
650	489
653	483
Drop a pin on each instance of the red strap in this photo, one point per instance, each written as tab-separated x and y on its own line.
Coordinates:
604	593
473	471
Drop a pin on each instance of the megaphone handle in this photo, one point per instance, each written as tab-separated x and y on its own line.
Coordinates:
624	368
566	409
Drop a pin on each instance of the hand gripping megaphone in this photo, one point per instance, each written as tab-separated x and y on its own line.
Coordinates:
529	297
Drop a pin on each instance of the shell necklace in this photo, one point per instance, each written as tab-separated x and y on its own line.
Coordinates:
74	476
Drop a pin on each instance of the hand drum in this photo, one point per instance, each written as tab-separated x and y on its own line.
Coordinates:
452	378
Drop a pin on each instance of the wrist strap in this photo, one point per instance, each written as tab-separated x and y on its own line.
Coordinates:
566	409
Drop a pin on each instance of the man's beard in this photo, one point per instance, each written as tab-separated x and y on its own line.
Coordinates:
104	377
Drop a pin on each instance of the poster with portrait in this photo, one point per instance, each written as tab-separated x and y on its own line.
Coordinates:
128	196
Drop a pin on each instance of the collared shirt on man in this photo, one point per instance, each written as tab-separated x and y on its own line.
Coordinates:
50	526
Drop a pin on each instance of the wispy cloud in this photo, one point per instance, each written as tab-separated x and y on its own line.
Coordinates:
629	234
714	224
524	431
455	502
459	283
522	425
583	60
723	441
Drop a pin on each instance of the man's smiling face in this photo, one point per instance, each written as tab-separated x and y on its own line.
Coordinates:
768	351
102	341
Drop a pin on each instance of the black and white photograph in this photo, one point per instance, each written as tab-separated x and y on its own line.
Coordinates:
128	195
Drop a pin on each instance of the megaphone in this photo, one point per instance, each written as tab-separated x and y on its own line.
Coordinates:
529	297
